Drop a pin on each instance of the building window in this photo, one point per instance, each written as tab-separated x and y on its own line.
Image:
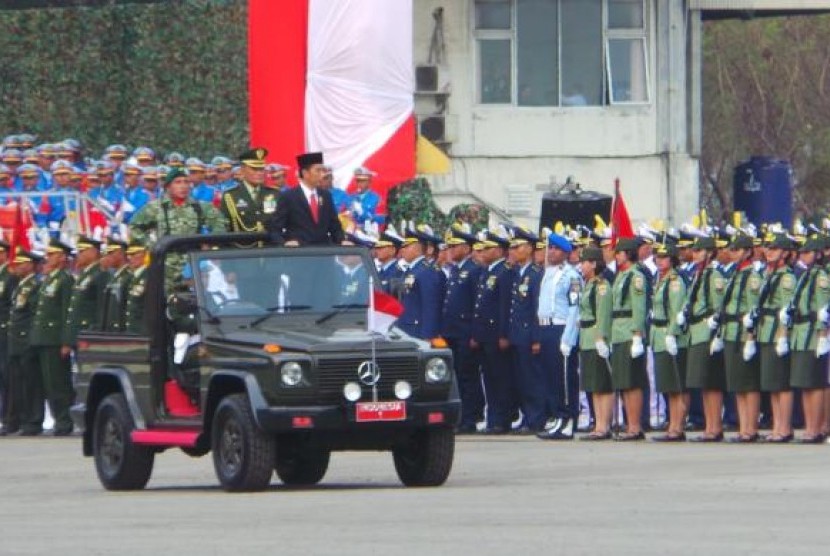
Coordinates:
561	52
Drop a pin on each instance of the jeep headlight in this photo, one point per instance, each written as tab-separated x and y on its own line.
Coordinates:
436	370
291	373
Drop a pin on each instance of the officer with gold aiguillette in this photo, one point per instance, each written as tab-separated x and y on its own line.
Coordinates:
247	204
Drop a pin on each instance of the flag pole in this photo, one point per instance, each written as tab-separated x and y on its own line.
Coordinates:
371	322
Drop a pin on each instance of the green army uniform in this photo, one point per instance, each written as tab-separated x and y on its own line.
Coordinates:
704	370
776	293
667	300
134	302
48	334
740	297
595	306
115	297
163	217
629	313
813	292
245	207
86	307
8	282
25	410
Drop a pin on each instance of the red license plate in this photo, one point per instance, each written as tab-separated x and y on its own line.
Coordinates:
368	412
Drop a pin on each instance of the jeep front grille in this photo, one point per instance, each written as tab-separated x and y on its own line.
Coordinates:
333	373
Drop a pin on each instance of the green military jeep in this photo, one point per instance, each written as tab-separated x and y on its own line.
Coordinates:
265	357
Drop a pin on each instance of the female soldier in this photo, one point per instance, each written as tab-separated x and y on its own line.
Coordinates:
628	328
668	341
773	303
594	334
704	360
743	374
809	341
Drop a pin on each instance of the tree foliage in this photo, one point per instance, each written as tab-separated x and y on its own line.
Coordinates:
766	91
171	75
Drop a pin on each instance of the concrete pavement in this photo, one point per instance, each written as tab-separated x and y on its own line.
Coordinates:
510	495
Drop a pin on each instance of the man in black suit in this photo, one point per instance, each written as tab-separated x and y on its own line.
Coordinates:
306	215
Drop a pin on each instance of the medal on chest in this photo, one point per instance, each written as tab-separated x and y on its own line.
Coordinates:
269	204
524	286
491	282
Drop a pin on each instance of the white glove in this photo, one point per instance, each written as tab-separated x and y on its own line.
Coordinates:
680	319
602	349
750	349
565	349
357	208
782	346
823	346
716	346
671	345
637	348
823	314
784	317
747	321
712	323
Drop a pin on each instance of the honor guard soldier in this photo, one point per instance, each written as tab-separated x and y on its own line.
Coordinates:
49	331
668	341
523	326
743	373
24	410
489	330
249	202
364	203
808	339
134	300
595	306
423	289
558	314
705	354
8	281
774	301
628	329
115	262
86	307
386	254
456	321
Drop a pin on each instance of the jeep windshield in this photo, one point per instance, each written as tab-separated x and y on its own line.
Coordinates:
279	287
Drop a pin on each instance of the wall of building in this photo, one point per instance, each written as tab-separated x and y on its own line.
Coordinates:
494	147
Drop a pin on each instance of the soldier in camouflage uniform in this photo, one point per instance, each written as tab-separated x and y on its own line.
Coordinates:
24	410
668	341
115	261
628	329
743	374
48	332
134	301
175	214
86	306
808	339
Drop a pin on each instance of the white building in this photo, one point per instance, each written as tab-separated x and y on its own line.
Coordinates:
534	90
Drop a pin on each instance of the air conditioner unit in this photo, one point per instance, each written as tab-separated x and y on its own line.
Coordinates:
431	79
438	128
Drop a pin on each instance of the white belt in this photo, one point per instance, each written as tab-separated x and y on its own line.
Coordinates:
552	322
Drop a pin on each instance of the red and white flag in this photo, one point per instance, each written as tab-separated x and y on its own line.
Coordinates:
620	221
384	310
334	76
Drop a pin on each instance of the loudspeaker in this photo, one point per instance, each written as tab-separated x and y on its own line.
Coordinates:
574	208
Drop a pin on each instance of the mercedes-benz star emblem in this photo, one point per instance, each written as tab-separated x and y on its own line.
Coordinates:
368	373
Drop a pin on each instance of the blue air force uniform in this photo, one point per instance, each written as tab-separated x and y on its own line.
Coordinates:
491	317
423	293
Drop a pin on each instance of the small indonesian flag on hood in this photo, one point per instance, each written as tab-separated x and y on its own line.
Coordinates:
384	310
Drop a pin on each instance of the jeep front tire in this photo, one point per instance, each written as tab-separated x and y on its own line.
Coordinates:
243	456
425	459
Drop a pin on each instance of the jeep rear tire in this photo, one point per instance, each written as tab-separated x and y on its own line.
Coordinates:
120	464
426	458
301	467
243	456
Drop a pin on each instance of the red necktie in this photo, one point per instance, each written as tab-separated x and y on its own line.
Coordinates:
315	208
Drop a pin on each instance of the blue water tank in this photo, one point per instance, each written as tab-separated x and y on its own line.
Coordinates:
763	189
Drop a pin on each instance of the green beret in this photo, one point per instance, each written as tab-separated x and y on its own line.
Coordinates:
627	244
592	254
175	172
